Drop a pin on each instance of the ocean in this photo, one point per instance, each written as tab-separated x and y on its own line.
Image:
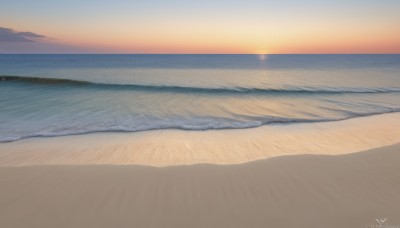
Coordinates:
55	95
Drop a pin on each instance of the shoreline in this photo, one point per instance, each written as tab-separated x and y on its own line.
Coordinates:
178	147
273	124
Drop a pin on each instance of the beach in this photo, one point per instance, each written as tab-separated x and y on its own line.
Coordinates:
178	147
288	191
200	114
85	181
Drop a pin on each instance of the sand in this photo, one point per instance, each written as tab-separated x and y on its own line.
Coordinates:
160	179
178	147
288	191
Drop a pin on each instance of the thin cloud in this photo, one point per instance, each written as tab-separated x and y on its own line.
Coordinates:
10	35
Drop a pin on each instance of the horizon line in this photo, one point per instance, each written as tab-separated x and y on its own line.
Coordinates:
199	53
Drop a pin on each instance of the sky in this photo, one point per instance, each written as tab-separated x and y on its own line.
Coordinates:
207	26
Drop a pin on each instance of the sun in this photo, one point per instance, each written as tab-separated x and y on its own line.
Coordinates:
262	54
262	57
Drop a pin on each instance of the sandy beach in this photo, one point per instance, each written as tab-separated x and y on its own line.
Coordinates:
200	114
139	180
288	191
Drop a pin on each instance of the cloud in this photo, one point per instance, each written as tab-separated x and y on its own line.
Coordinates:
10	35
15	42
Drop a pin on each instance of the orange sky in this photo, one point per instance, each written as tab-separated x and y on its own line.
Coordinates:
208	27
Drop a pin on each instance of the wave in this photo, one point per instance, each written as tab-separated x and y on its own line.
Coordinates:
254	122
190	89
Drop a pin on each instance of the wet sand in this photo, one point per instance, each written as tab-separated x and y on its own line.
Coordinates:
178	147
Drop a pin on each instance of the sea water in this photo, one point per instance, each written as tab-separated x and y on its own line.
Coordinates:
54	95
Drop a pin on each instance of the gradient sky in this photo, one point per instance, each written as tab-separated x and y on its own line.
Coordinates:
191	26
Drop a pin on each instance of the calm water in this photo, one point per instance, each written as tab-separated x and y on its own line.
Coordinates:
51	95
